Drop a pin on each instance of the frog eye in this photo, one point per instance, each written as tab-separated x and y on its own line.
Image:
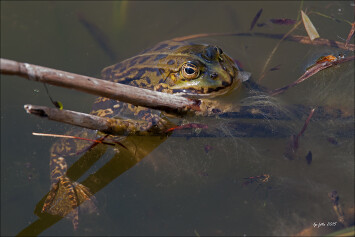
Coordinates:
189	71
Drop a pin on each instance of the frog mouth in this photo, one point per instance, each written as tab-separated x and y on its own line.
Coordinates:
203	92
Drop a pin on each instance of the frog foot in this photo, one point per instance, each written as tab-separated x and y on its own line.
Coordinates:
65	197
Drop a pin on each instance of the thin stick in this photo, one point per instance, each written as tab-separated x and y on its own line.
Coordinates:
310	72
351	33
103	124
262	74
125	93
306	123
293	145
296	38
69	137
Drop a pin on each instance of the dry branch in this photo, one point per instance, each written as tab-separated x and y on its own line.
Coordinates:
296	38
125	93
103	124
310	72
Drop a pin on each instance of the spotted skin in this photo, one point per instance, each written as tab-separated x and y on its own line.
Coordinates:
182	68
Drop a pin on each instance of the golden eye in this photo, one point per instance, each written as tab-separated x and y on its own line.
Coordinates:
189	71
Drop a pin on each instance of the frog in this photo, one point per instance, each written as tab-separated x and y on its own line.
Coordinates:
183	68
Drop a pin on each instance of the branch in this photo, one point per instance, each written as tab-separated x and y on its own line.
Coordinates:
296	38
310	72
106	125
125	93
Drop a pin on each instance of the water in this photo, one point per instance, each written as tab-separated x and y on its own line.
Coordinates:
186	186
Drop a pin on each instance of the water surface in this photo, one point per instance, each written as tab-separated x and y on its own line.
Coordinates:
185	186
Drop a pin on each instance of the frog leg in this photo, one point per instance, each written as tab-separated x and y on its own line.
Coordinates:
65	196
50	198
63	203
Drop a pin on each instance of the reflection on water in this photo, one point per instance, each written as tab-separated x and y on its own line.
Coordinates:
194	183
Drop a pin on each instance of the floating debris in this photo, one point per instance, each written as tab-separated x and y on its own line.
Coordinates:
332	140
208	148
351	33
258	179
309	157
294	143
256	18
313	70
203	173
275	68
283	21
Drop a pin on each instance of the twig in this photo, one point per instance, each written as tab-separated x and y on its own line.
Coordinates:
310	72
351	33
103	124
293	145
125	93
256	18
296	38
262	74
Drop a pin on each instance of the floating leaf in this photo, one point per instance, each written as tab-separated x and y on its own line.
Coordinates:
311	30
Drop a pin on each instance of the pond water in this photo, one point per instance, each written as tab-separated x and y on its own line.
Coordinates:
184	185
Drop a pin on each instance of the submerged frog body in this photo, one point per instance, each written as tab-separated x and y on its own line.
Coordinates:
182	68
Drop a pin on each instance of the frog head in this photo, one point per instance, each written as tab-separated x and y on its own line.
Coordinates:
201	71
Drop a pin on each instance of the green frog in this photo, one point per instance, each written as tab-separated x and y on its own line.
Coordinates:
178	67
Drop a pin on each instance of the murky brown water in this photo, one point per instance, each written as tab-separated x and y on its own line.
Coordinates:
186	186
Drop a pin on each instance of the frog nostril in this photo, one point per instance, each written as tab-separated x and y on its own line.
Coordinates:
214	75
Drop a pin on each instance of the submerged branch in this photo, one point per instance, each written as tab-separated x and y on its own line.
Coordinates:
125	93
